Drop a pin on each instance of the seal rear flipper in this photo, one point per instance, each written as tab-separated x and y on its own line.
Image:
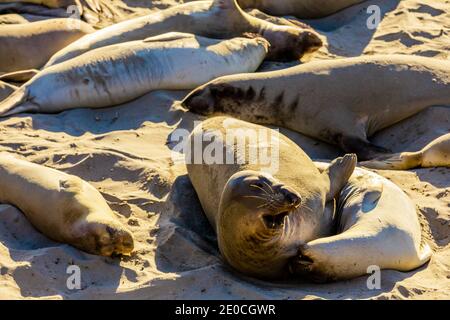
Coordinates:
396	161
364	149
19	76
17	102
338	173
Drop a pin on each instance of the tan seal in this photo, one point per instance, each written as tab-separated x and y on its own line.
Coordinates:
213	19
434	154
119	73
63	207
30	45
377	228
342	101
262	215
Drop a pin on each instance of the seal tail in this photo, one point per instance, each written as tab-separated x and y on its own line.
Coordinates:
396	161
17	102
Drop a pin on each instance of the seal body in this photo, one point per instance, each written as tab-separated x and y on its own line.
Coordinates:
63	207
30	45
308	9
261	213
116	74
342	101
213	19
434	154
377	226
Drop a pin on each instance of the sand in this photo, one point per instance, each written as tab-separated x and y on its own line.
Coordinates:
123	151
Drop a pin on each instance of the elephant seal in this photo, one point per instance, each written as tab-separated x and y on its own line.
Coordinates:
119	73
434	154
6	89
376	225
63	207
30	45
342	102
218	19
261	216
306	9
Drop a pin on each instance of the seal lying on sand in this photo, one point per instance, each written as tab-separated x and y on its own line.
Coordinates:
63	207
30	45
219	19
6	89
119	73
306	9
377	225
342	101
434	154
260	218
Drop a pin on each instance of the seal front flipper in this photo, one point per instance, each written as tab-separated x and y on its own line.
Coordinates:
338	173
17	102
19	76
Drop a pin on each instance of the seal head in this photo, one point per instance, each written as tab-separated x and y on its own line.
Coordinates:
256	221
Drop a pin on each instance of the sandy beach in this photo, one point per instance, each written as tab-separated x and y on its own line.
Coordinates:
125	152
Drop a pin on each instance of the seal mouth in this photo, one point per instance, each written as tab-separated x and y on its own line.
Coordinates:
275	221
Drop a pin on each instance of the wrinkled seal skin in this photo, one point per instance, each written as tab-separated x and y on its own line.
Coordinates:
306	9
220	19
63	207
30	45
434	154
262	218
119	73
377	225
342	102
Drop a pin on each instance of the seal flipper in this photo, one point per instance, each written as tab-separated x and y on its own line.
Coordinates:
396	161
19	76
17	102
338	173
363	148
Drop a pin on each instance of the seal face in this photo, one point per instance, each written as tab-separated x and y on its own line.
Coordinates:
263	215
254	215
76	214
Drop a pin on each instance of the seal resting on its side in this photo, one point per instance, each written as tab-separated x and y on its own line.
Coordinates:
341	101
434	154
119	73
63	207
262	218
376	225
219	19
30	45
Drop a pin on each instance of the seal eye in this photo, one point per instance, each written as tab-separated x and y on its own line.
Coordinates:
275	221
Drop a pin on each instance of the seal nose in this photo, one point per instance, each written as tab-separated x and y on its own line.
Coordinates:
199	101
292	197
